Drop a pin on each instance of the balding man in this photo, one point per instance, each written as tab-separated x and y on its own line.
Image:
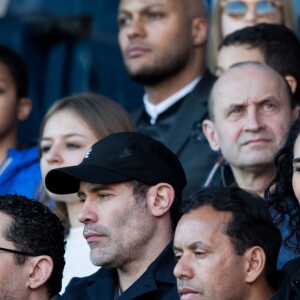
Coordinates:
163	47
251	109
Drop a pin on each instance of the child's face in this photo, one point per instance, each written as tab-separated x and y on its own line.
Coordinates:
8	103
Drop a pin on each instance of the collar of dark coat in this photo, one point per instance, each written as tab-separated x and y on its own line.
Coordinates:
191	113
159	271
227	175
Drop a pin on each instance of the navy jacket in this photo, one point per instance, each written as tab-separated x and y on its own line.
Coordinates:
180	129
221	175
157	283
289	288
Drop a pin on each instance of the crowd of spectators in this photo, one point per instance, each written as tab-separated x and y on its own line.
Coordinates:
194	195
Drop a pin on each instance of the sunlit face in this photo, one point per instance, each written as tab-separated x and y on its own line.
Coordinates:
65	140
230	55
8	103
13	277
116	227
230	24
207	267
155	37
296	169
252	113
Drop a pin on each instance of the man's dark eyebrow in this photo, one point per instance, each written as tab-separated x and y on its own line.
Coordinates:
234	105
193	245
94	188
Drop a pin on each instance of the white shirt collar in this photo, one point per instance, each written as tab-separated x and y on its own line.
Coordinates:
154	110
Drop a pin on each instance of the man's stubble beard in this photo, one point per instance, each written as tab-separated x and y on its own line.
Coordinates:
161	69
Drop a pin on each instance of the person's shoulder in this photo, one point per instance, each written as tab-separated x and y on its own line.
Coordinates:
76	289
137	113
207	80
289	288
199	95
292	268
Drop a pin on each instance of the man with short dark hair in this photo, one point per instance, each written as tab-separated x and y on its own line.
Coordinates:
226	245
130	186
32	250
163	46
272	44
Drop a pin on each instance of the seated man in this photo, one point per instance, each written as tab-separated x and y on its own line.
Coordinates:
32	250
251	110
226	245
130	186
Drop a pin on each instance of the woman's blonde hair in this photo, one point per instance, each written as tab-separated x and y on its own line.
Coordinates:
102	115
215	32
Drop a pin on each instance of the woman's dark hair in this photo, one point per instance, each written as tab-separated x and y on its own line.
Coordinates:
280	194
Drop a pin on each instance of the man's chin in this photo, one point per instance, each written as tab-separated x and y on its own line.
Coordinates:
147	79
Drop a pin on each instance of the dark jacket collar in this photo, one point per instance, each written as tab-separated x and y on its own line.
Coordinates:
160	271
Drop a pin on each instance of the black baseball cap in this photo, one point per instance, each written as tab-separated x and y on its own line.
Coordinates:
121	157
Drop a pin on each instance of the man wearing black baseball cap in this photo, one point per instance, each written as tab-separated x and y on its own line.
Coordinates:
130	186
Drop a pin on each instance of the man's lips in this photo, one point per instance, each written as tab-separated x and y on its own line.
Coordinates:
185	293
256	141
92	236
136	51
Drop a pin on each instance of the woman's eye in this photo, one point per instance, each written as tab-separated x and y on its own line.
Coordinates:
73	146
45	149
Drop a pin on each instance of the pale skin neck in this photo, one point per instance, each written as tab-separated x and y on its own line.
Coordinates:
73	209
254	180
129	273
161	91
7	142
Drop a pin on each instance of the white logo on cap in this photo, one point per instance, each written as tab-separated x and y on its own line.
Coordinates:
88	153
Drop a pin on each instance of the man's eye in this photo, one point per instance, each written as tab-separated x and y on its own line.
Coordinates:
200	253
155	15
82	200
104	196
268	105
177	256
123	21
236	110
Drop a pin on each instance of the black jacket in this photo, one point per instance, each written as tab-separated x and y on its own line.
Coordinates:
157	283
289	288
183	132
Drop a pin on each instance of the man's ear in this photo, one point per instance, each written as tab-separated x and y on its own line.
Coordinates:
24	108
209	130
292	82
199	31
40	271
160	198
256	261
